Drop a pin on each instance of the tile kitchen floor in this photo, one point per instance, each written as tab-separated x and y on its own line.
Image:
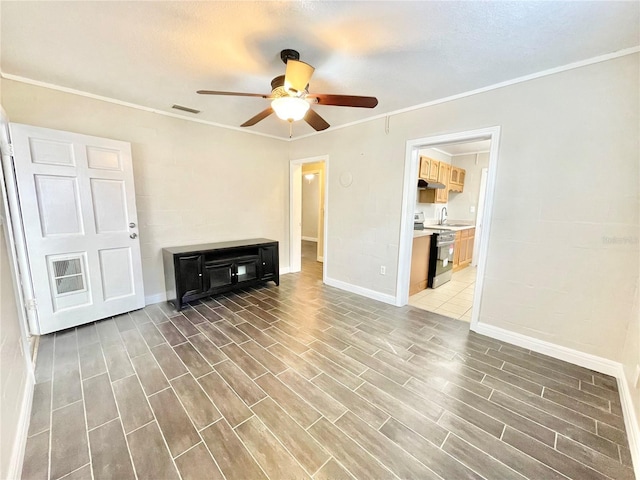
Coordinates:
305	380
454	299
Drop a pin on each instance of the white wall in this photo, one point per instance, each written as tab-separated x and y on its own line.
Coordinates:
460	202
310	206
194	183
432	210
549	273
14	375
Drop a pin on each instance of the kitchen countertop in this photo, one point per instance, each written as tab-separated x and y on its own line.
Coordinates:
422	233
448	227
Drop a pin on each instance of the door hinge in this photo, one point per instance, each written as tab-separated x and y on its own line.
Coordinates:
32	304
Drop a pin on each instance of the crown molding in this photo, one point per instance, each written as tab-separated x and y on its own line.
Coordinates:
525	78
495	86
73	91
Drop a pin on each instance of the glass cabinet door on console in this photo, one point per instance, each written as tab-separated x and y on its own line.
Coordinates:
246	269
218	274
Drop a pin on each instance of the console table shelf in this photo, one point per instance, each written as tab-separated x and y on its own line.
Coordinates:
197	271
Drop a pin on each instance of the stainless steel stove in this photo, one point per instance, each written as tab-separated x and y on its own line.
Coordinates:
441	257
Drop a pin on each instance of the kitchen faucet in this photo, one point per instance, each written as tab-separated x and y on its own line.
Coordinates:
443	215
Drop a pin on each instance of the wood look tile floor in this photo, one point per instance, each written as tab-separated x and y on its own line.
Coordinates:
304	380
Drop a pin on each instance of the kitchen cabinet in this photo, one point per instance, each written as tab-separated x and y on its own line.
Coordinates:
456	251
419	264
438	172
442	194
463	248
428	169
456	179
199	271
425	164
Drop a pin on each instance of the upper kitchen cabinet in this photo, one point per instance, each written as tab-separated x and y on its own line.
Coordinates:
438	172
428	169
425	164
444	172
456	179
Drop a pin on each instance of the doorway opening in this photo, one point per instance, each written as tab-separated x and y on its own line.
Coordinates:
445	227
308	215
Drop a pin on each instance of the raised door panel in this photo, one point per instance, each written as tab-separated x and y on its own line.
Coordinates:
425	164
456	251
463	250
190	277
454	175
461	177
470	242
434	167
58	205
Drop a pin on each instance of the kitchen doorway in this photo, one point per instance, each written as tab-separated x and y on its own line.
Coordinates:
308	215
448	206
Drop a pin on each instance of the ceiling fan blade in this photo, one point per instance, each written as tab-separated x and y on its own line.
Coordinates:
255	119
315	120
343	100
297	76
234	94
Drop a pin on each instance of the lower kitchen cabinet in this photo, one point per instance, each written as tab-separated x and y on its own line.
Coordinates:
198	271
419	264
463	248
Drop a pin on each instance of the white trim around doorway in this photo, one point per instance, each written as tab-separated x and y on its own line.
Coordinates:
409	200
295	203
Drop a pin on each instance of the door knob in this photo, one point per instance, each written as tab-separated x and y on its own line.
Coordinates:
132	225
133	235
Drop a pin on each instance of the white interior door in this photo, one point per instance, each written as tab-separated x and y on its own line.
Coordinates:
78	208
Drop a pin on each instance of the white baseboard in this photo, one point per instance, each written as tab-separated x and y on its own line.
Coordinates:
285	270
582	359
586	360
630	420
310	239
365	292
157	298
20	441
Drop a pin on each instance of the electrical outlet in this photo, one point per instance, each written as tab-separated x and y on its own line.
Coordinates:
637	382
383	270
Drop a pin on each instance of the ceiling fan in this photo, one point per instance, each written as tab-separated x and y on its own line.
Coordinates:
291	99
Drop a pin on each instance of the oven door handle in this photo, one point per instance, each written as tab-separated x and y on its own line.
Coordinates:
445	244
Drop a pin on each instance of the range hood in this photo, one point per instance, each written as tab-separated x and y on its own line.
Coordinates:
423	185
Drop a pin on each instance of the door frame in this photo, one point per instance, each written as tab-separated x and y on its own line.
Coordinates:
320	173
14	236
295	208
409	194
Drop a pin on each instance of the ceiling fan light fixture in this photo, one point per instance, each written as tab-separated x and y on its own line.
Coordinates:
290	108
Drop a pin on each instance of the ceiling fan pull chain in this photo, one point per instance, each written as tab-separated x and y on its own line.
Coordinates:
290	128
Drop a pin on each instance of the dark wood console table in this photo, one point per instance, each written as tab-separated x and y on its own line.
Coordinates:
198	271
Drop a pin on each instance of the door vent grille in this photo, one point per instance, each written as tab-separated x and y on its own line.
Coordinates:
185	109
68	275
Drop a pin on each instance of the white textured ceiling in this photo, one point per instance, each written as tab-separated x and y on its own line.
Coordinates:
157	54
